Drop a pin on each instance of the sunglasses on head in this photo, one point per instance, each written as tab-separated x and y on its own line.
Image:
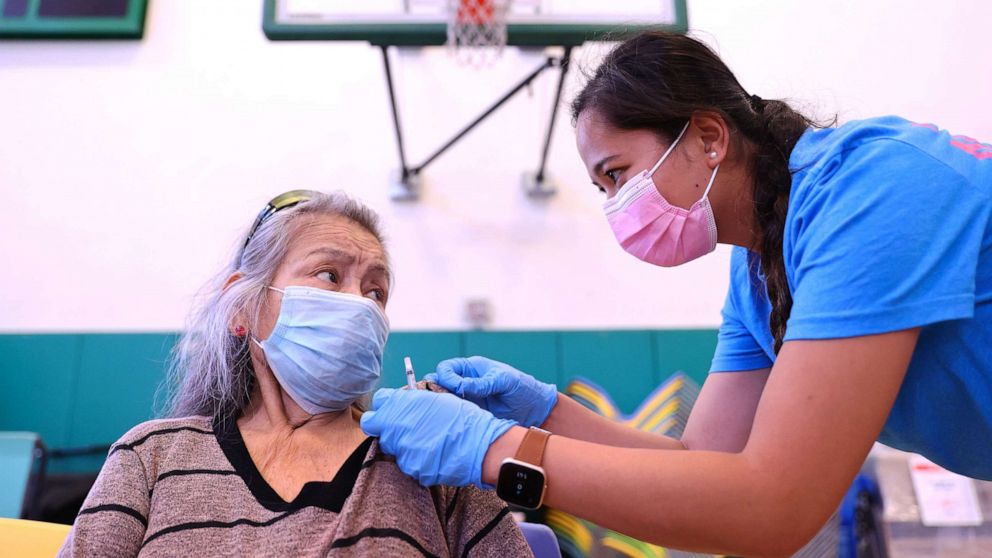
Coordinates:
275	205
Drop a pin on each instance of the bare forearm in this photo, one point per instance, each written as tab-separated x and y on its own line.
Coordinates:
821	408
570	419
695	500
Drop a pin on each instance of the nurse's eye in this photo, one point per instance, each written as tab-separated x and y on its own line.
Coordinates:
613	175
329	276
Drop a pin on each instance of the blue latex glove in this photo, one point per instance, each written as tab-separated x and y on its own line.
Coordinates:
437	438
499	388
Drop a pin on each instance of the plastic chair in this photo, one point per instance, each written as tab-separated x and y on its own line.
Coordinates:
31	539
18	488
541	539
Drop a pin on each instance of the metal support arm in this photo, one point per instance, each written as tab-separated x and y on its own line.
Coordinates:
409	173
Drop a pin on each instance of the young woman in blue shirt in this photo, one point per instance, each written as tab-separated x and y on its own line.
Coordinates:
860	309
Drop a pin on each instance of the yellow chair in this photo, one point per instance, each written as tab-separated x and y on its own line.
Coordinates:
31	539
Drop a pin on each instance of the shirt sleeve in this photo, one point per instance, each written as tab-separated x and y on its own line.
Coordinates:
736	347
478	523
113	519
886	239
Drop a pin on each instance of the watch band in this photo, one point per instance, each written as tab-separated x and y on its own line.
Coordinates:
531	449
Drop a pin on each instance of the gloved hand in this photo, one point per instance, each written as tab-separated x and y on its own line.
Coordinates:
499	388
437	438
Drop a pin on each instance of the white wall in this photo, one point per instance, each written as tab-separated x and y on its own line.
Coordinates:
129	171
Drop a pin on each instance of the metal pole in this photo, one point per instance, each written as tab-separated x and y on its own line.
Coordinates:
547	64
396	117
554	113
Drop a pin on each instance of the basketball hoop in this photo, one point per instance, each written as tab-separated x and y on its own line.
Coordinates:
477	28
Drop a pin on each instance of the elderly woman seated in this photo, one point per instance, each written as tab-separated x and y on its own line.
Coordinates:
263	454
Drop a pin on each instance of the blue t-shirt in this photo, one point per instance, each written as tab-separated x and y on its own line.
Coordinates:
889	227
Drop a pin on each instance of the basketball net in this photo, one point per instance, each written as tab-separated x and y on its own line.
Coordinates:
477	29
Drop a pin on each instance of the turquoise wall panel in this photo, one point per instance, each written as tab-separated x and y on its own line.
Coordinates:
37	384
425	350
689	351
119	376
78	390
621	362
534	352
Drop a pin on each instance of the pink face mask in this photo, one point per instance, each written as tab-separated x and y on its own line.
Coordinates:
653	230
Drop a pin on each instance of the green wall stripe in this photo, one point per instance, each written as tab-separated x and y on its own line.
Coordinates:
90	388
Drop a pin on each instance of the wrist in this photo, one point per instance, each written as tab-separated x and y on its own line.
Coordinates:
554	413
503	447
547	397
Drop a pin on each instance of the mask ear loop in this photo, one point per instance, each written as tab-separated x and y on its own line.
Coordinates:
255	339
670	149
710	183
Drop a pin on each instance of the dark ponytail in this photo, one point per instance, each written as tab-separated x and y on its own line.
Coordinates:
656	81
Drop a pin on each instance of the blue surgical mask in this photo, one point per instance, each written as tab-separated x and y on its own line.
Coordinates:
326	348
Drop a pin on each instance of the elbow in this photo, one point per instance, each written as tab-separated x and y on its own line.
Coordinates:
786	512
779	541
784	546
788	525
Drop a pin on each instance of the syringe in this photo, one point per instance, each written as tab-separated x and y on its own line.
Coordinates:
411	380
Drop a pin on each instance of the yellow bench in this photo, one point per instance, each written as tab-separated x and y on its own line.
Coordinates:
31	539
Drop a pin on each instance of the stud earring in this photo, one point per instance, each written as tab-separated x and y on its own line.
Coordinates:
240	331
712	154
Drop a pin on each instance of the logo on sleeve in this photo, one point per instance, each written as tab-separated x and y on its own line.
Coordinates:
969	145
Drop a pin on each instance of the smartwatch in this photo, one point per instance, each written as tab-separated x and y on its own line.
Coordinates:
522	481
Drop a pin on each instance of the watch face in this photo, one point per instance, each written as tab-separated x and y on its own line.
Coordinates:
520	485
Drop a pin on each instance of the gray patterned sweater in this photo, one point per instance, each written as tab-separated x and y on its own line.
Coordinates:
188	487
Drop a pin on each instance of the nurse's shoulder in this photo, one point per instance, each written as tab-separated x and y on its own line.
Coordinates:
879	166
890	145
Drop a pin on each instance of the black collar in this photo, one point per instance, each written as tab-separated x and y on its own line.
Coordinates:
329	495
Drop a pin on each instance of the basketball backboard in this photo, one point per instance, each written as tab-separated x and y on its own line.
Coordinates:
424	22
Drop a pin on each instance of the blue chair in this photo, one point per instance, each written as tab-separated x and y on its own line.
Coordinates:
20	479
860	520
542	540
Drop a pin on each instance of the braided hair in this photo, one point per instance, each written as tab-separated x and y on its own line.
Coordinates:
657	80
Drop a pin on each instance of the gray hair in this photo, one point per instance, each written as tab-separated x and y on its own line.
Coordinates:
210	370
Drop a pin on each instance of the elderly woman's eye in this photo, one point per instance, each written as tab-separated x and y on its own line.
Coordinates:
377	295
328	276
